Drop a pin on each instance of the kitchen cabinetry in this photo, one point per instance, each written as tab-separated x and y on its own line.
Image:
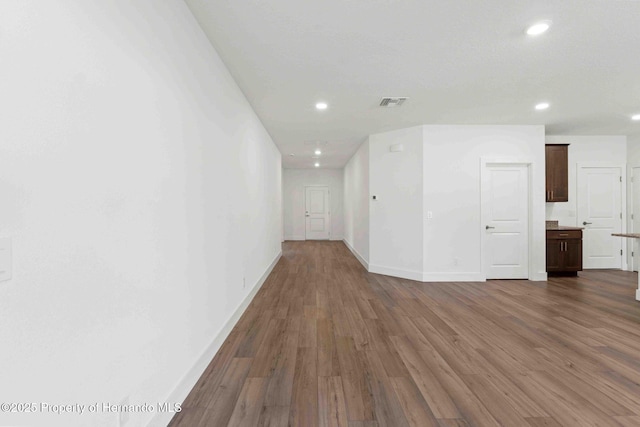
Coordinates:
564	250
557	172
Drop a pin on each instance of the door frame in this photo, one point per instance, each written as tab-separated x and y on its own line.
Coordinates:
631	180
623	202
506	161
304	208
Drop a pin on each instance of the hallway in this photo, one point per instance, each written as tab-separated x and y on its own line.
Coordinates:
324	343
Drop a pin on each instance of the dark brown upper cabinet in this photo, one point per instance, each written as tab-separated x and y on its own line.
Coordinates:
557	172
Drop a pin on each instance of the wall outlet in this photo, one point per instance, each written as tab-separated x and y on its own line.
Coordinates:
455	262
123	416
429	215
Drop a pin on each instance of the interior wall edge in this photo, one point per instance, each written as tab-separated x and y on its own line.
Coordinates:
359	257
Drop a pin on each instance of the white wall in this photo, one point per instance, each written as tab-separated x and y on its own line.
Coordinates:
139	188
356	204
396	216
633	150
452	156
294	182
584	149
439	171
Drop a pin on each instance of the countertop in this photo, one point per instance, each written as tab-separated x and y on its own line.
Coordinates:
565	228
631	235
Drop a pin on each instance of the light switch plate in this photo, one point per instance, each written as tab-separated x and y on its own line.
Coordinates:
5	259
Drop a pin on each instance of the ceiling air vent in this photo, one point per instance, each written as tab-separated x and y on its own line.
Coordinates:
392	102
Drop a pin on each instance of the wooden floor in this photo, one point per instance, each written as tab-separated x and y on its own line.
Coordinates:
325	343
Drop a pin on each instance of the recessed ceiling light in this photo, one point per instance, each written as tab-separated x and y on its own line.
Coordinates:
542	106
291	155
538	28
317	152
321	105
316	164
635	117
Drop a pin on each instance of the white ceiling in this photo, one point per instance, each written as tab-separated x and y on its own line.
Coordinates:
459	62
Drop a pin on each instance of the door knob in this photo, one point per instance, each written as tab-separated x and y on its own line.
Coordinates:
585	223
488	227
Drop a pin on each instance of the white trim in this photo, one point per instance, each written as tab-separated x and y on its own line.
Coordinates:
396	272
630	229
336	238
484	161
638	294
540	276
294	238
184	386
477	276
506	160
359	257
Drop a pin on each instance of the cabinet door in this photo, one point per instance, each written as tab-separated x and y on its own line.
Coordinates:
573	255
557	173
553	255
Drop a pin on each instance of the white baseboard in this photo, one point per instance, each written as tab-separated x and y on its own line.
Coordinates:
420	276
294	238
540	276
181	391
450	276
471	277
357	255
638	294
454	277
299	238
396	272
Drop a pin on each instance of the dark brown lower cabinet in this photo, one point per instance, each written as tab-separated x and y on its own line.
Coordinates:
564	251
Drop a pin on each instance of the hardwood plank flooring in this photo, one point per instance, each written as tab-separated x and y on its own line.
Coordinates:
325	343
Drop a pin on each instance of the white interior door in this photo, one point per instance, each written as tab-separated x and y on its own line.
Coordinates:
635	212
600	213
505	206
318	214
